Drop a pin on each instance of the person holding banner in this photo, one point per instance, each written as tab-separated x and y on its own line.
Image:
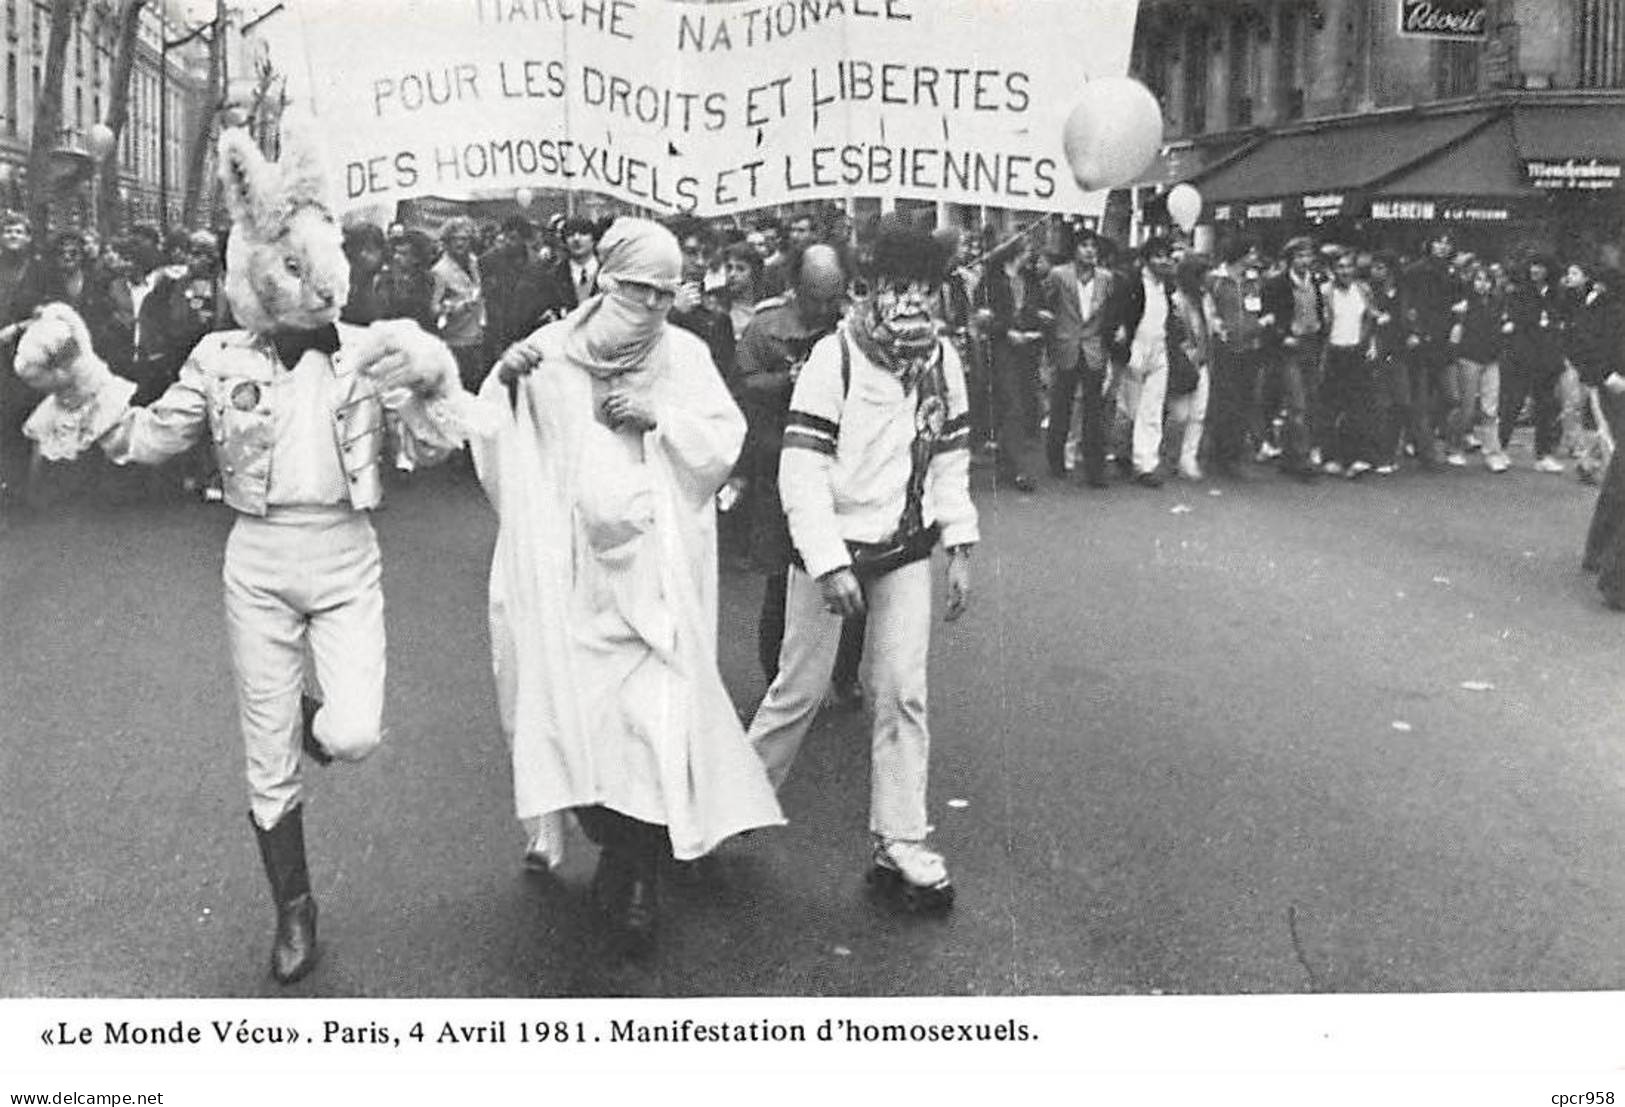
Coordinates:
603	600
874	475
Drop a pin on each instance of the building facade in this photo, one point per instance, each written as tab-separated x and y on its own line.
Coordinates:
1381	118
168	89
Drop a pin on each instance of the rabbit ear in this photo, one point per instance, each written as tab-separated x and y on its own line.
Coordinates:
252	195
304	179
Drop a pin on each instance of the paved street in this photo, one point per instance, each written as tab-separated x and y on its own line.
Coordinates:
1222	750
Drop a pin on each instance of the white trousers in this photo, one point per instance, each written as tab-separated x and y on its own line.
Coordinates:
304	589
1190	410
894	667
1145	392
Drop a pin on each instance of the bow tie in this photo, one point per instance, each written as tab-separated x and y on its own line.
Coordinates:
291	345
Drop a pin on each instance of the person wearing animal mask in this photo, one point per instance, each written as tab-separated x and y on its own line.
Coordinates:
294	406
603	587
874	475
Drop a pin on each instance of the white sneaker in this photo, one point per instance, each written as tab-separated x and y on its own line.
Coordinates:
1496	463
545	853
915	862
1314	456
1549	464
1358	469
1457	459
1332	469
1268	452
1387	470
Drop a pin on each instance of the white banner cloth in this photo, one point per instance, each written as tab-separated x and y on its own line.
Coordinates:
708	107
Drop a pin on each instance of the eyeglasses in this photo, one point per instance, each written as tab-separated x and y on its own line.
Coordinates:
645	295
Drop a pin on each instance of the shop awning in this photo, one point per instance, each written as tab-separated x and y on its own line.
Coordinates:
1584	131
1484	164
1570	147
1336	159
1174	164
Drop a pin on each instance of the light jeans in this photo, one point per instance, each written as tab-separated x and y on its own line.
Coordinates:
1190	409
304	587
894	671
1571	405
1477	391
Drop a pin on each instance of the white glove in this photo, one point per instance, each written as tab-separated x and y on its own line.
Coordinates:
54	355
398	354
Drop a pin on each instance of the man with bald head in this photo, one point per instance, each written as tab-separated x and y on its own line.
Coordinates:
771	352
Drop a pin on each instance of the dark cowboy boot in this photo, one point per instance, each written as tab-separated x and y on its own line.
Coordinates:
308	706
282	849
649	848
625	886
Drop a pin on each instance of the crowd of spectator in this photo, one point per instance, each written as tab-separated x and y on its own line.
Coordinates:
1321	360
1324	360
146	298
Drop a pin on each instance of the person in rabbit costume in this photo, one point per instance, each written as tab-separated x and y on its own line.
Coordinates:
295	405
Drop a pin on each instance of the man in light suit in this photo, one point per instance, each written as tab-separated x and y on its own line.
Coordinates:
1080	296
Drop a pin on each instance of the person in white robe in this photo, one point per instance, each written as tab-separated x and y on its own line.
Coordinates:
603	583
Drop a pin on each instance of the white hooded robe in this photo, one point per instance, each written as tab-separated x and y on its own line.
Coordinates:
603	602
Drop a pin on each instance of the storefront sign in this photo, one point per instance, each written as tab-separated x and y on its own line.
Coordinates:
1223	213
1326	205
1444	18
1403	210
1440	211
1575	173
1272	210
1475	213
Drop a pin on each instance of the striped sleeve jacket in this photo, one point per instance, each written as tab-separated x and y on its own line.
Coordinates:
848	456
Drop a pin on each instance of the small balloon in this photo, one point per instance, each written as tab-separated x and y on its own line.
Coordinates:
524	197
99	140
1112	133
1184	206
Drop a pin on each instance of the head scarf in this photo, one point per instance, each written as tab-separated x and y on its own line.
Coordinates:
906	348
611	334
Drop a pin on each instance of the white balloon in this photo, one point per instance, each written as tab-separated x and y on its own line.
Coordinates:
1184	205
1113	133
99	141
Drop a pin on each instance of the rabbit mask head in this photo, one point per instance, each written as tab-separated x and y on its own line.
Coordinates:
285	264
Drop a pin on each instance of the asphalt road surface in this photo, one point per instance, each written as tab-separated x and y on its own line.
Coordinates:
1207	739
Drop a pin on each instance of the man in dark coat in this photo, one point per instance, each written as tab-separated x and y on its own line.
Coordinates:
772	350
521	291
21	278
1537	312
1597	345
1430	290
1015	327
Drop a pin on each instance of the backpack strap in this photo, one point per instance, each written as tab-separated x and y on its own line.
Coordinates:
846	365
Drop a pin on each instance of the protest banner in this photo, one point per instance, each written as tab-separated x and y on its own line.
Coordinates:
709	108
